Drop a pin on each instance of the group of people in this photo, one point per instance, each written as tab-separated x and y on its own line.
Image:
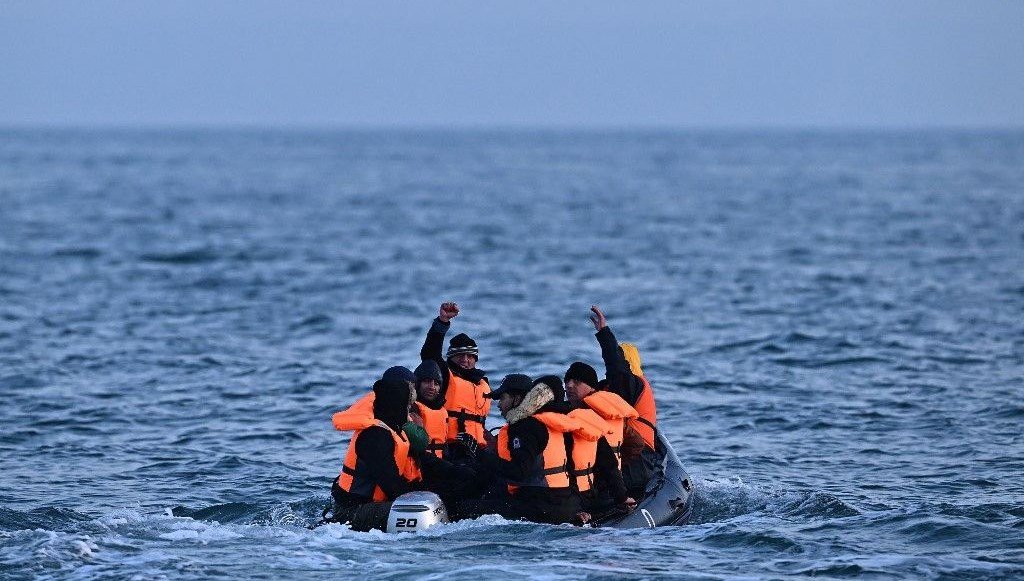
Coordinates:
573	448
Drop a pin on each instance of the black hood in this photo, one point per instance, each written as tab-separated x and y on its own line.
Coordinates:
391	402
428	370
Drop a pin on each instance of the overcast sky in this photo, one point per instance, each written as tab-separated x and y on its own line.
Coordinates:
594	63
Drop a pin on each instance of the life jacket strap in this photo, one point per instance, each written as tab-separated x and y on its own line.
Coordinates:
563	469
468	417
349	471
462	417
646	421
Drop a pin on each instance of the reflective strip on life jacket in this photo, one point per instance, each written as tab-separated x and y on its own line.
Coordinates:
551	470
467	407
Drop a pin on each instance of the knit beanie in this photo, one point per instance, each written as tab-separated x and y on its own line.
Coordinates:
461	343
580	371
398	372
428	370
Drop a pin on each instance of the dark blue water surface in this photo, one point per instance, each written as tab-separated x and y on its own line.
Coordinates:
832	322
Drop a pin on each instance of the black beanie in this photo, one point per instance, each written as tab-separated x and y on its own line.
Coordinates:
462	343
580	371
555	384
398	372
428	370
391	399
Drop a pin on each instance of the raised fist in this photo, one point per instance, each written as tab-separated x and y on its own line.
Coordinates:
448	312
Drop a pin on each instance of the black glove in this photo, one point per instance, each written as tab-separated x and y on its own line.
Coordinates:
469	442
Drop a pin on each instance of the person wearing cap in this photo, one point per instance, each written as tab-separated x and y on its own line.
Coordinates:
531	456
463	387
637	448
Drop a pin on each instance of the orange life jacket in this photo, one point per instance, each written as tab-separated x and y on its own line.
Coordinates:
615	412
645	424
552	469
584	446
467	407
435	422
352	479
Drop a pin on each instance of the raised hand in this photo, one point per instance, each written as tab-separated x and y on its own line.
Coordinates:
598	318
448	312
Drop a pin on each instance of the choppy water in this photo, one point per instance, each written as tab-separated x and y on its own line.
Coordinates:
833	323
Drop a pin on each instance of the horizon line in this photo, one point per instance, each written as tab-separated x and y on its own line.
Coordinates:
504	127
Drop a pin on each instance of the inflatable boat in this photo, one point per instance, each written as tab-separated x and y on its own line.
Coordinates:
667	501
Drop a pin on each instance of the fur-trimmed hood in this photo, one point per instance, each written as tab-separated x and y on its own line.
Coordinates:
534	399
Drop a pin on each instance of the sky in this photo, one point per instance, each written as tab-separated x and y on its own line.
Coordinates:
595	63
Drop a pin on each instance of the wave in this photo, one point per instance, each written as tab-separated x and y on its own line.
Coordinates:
722	500
184	257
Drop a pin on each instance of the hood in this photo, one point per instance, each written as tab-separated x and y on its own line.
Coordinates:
391	402
632	355
534	399
428	369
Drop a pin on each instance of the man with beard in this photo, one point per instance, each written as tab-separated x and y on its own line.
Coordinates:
464	387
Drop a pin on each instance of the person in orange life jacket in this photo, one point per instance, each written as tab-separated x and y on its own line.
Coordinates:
387	457
463	386
428	410
640	437
623	380
378	467
598	476
530	455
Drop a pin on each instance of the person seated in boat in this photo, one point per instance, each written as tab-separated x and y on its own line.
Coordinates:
464	387
428	410
378	465
530	455
596	466
387	457
623	377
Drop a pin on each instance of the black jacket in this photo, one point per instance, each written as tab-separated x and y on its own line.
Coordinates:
375	457
619	377
432	350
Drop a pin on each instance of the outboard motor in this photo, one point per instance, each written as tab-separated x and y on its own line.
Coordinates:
416	511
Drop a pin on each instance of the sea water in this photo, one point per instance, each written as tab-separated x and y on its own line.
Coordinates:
832	322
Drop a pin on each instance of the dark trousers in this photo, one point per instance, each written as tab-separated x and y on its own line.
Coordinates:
360	514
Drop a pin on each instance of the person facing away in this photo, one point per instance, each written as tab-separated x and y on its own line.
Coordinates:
531	456
464	387
596	469
378	465
367	459
638	445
